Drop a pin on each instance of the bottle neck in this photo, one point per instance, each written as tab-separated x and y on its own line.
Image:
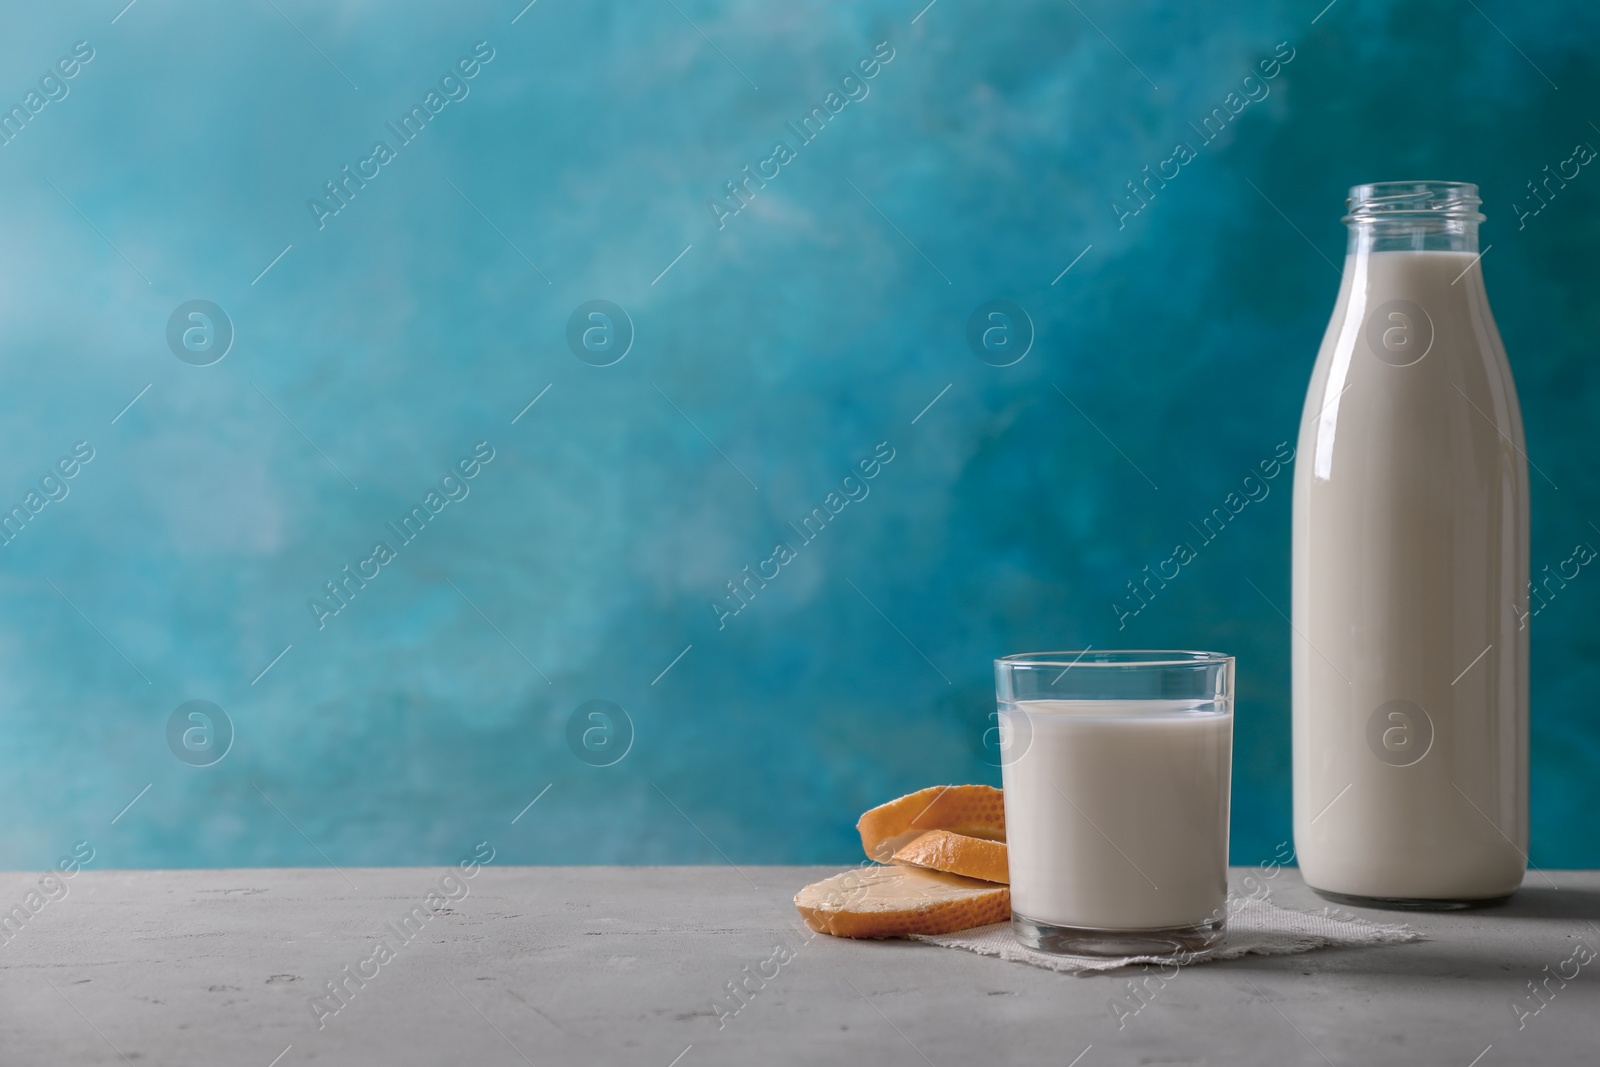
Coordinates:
1421	216
1413	233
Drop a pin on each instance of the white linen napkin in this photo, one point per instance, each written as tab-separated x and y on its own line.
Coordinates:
1255	926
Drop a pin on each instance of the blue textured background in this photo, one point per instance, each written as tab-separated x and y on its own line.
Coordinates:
798	337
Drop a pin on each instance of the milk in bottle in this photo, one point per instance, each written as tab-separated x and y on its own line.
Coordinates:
1410	659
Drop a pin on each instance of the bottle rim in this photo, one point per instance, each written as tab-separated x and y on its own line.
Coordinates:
1411	201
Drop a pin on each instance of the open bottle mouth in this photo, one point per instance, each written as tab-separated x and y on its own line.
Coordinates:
1413	201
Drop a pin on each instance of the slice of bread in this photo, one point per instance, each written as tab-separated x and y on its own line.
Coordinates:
973	810
970	857
900	901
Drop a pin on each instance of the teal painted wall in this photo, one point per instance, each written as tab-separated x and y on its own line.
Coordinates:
770	352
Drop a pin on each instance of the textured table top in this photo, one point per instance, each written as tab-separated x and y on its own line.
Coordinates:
627	966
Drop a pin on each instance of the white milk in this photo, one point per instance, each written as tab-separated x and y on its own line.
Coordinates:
1117	812
1410	554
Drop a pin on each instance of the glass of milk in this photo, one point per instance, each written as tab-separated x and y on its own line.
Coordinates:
1116	768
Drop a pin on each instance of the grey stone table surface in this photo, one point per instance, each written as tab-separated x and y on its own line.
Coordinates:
632	966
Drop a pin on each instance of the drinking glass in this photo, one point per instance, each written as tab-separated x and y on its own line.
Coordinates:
1116	767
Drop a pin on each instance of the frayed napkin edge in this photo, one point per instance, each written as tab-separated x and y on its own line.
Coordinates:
1294	945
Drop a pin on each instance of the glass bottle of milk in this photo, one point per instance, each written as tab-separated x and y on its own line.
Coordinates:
1410	653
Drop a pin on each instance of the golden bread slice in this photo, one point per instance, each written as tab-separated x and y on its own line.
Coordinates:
972	810
900	901
970	857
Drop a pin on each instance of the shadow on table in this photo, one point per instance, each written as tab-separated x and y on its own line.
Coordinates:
1378	965
1538	900
1454	952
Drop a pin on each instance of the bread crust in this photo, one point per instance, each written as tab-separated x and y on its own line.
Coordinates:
898	901
973	810
970	857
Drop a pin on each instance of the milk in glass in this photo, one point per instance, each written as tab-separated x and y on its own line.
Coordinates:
1117	811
